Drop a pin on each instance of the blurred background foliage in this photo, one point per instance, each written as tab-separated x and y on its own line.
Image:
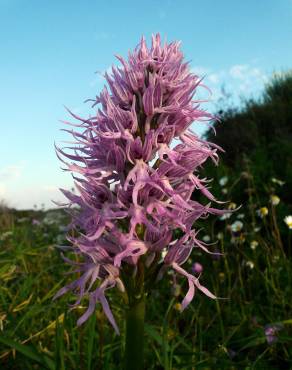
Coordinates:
260	131
249	329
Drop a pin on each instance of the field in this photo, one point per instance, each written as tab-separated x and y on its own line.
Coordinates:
249	328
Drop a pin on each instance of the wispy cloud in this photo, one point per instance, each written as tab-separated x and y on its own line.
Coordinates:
103	35
214	78
234	82
50	188
11	172
246	71
238	71
32	194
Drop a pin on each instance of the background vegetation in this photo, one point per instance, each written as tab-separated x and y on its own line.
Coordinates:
249	329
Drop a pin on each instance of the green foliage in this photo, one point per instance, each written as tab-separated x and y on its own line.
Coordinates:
261	131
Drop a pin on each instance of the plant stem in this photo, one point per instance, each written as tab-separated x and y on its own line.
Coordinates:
135	334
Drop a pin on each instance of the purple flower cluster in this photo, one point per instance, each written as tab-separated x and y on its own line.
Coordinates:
134	188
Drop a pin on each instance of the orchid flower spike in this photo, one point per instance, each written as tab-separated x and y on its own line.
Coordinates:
135	185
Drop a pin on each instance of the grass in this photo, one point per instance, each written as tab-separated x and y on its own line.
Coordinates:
255	283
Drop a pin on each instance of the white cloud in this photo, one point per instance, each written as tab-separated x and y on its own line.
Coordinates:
214	78
50	188
21	188
11	172
32	195
246	72
238	71
229	85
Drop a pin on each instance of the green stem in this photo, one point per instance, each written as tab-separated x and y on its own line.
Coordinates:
135	334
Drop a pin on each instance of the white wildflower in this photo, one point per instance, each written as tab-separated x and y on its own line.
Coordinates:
232	205
253	244
22	219
278	182
275	200
288	221
223	181
220	235
5	235
250	264
225	216
236	226
206	238
262	212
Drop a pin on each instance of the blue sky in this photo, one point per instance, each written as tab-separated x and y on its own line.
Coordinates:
49	51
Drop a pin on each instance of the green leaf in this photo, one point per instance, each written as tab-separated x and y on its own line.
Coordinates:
91	329
59	343
29	351
253	343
